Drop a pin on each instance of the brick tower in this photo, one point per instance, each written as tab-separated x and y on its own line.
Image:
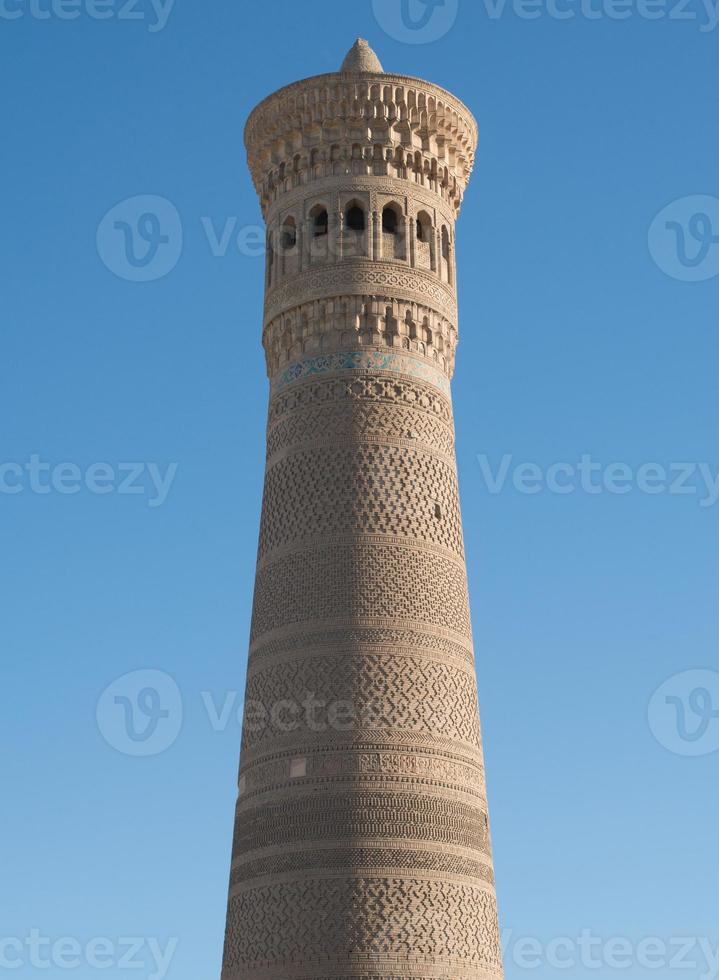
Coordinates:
362	845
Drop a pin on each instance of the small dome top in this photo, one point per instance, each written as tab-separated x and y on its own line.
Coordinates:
361	57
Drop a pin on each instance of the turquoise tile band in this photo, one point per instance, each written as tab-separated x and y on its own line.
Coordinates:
360	361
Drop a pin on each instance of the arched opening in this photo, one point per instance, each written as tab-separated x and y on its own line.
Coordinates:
289	234
393	243
354	218
355	226
424	227
270	261
390	220
320	221
446	255
319	234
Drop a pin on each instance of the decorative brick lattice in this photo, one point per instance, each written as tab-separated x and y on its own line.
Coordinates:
361	859
355	816
384	692
351	582
353	420
367	488
409	917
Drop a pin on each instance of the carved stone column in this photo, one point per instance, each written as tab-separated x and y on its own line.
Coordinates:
376	235
300	245
407	239
337	240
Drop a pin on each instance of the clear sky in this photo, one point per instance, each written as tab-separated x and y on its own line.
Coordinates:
582	335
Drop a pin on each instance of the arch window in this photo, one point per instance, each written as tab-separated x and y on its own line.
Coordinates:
445	242
393	233
270	260
446	263
289	234
390	220
320	221
354	218
424	227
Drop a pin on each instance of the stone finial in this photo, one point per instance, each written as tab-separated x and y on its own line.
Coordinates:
361	57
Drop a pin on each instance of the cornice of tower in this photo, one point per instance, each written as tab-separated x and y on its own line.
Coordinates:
396	121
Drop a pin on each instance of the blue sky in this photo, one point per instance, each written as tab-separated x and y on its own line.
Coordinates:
581	336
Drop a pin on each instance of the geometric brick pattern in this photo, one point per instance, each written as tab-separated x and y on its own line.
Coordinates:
383	692
362	419
350	582
375	388
390	816
405	916
395	491
351	858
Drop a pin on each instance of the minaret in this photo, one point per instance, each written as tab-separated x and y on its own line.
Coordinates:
362	845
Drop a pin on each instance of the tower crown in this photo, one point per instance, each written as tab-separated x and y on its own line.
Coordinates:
361	57
399	126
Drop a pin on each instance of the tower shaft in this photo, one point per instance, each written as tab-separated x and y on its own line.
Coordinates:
362	845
